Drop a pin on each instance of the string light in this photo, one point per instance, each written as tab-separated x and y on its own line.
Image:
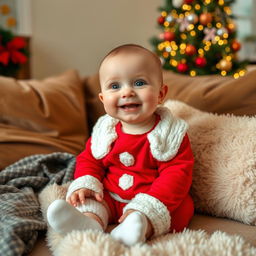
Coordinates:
227	10
166	24
242	72
200	27
183	46
193	73
197	7
190	27
183	36
164	14
218	25
174	63
186	7
201	52
221	2
236	75
193	33
220	42
225	35
227	49
165	55
173	53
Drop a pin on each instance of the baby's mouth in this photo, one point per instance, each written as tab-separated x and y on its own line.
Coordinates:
130	106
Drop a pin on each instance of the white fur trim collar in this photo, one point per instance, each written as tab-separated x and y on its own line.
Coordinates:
164	140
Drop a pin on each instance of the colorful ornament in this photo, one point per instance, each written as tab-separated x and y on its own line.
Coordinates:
177	3
192	18
200	62
183	24
205	18
188	1
182	67
210	34
169	36
235	45
224	65
190	49
221	31
161	20
170	19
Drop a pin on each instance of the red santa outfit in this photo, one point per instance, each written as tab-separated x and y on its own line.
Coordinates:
150	172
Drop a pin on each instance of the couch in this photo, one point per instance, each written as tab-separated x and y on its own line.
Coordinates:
57	114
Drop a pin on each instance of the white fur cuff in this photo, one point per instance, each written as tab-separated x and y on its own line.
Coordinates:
154	209
86	181
97	208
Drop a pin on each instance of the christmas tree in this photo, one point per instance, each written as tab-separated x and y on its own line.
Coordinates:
198	38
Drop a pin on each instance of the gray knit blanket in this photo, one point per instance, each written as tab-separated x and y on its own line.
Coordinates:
20	184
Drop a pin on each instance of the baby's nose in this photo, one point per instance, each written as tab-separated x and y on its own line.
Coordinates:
127	91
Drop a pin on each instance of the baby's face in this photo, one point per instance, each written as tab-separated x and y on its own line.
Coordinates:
131	86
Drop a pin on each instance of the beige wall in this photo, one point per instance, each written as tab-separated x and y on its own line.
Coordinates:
78	33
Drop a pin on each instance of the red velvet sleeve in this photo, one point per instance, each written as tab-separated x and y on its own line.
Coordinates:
86	164
175	177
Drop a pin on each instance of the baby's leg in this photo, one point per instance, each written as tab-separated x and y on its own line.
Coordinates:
132	230
64	218
181	217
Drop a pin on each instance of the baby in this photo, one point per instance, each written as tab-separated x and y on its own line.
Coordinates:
136	169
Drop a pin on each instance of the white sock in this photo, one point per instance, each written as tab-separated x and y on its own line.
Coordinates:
132	230
64	218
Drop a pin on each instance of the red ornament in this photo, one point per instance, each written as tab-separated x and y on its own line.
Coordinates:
205	18
190	50
161	20
188	1
169	36
200	62
235	45
182	67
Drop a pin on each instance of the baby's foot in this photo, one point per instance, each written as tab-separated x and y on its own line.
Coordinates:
132	230
64	218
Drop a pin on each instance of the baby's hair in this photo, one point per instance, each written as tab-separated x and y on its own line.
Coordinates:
131	47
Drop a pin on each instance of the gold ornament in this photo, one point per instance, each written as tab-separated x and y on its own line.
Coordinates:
224	65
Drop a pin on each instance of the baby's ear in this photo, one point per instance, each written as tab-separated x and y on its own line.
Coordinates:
100	95
162	93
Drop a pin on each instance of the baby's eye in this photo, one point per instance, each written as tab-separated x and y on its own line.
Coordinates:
139	82
115	86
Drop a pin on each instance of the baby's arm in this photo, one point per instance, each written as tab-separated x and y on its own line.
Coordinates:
79	196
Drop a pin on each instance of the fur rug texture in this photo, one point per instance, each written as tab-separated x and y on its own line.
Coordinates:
187	243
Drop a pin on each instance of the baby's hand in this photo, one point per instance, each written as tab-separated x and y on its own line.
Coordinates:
79	196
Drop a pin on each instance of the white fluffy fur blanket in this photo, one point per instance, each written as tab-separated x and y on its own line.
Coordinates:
187	243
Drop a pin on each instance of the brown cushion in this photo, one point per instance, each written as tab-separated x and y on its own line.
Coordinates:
224	177
41	116
214	93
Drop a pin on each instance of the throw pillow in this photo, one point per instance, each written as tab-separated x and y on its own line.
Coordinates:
224	147
41	116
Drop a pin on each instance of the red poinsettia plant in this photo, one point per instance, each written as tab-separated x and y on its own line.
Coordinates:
13	53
